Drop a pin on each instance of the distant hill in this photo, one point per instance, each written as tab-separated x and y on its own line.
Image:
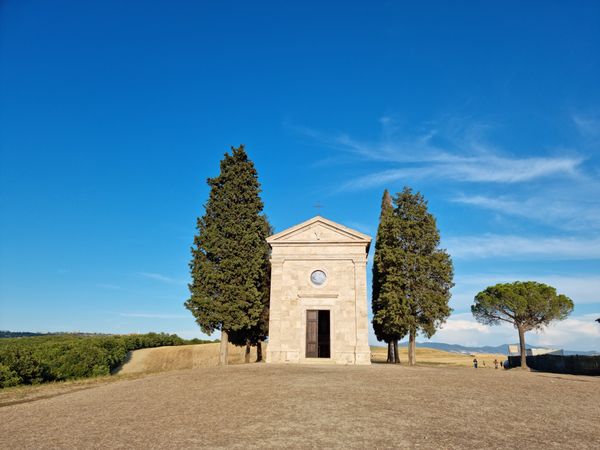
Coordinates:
456	348
502	349
575	352
16	334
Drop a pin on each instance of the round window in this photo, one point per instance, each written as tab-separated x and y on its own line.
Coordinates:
318	277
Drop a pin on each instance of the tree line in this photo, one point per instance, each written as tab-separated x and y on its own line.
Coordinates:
38	359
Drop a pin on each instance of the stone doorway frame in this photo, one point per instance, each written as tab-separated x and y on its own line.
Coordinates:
317	307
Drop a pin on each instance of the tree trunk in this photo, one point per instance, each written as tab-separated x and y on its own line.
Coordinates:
258	351
223	349
247	354
523	348
412	348
390	357
396	352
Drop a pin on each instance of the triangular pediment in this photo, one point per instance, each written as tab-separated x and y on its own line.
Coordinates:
319	230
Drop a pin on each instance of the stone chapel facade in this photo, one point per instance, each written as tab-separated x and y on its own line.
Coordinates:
318	309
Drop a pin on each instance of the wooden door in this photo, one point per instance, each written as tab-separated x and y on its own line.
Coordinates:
312	333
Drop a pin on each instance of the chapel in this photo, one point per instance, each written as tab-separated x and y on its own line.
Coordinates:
318	311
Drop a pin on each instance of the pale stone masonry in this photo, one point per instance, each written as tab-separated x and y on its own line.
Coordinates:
318	307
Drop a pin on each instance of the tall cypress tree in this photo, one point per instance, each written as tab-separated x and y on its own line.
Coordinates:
423	271
383	300
252	336
229	289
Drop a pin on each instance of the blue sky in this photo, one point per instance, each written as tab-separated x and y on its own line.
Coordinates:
113	114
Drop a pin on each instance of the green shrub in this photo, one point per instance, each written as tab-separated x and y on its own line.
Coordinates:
8	377
31	360
24	364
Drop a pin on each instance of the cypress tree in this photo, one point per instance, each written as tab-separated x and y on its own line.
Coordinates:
382	302
253	336
422	271
229	289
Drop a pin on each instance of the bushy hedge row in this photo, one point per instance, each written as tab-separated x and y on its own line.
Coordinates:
39	359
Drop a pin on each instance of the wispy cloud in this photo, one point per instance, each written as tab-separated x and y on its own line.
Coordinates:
582	289
587	125
463	329
515	247
160	277
578	211
571	333
574	333
480	169
154	316
461	155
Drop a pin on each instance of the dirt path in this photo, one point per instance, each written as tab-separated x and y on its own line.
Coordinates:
260	405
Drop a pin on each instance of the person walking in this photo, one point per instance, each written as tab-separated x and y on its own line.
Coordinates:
475	363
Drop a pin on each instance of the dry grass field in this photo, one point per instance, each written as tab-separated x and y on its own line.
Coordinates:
432	356
160	359
299	406
438	404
